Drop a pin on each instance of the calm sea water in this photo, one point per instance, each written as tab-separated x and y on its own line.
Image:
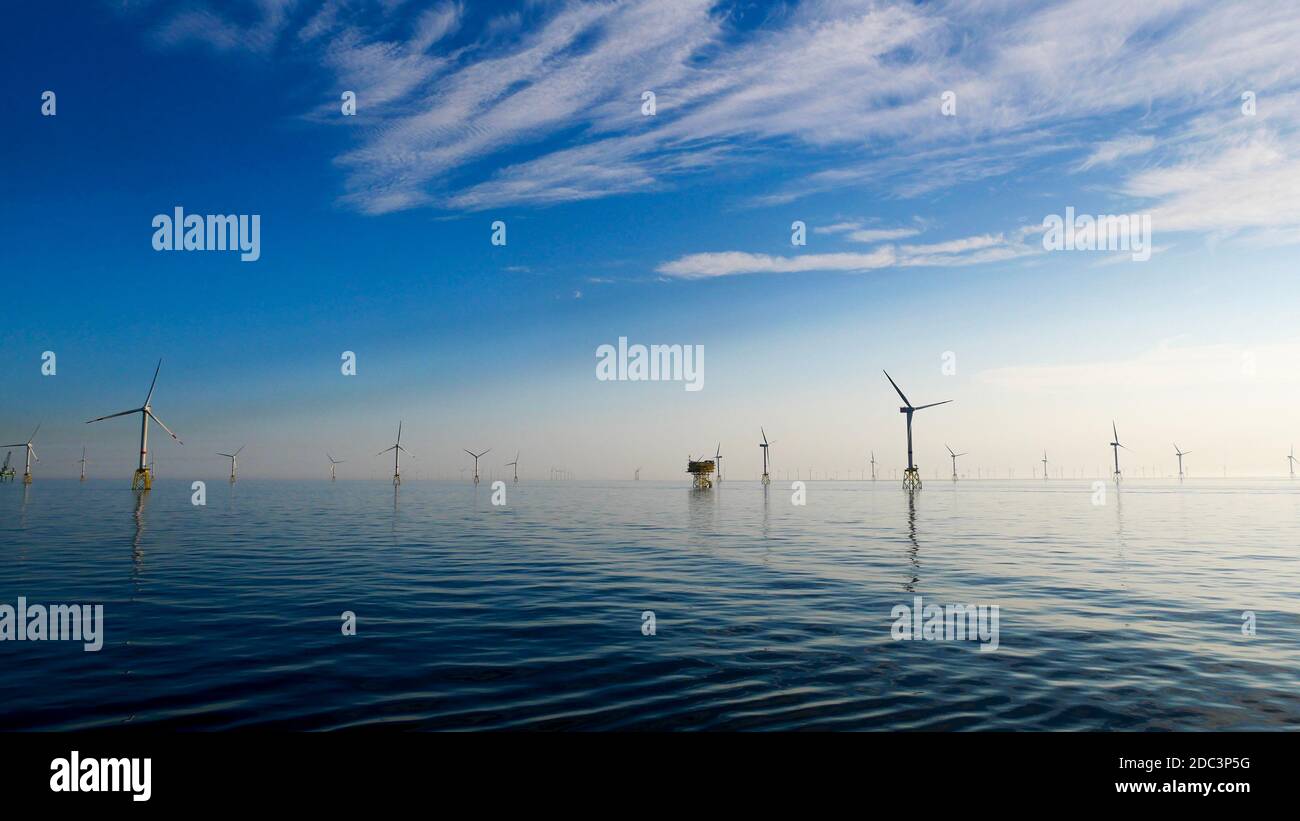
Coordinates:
1126	615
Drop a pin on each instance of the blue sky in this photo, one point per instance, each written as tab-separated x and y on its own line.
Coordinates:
924	231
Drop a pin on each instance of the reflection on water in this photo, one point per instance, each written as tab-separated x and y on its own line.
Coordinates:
770	615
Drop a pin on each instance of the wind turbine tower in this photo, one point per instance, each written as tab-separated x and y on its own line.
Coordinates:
1044	464
234	458
873	466
397	450
766	479
83	464
515	465
954	462
911	476
1115	446
1181	454
476	458
143	477
31	453
333	463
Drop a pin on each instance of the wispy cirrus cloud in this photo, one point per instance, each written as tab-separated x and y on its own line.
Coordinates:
975	250
540	104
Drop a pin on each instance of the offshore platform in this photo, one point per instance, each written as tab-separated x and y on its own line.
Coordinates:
701	472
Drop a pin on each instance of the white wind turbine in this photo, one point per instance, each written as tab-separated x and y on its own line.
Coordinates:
1290	460
397	450
333	462
234	458
1181	454
31	453
83	463
143	478
911	476
515	465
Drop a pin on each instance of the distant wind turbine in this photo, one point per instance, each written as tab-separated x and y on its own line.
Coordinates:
636	475
1290	460
143	477
766	479
1045	464
233	457
911	476
515	465
1115	445
873	466
397	450
83	463
31	453
476	458
717	459
1181	454
954	461
333	463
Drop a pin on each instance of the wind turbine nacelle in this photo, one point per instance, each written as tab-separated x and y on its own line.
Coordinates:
904	410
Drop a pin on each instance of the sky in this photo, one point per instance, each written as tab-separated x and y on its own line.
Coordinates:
921	145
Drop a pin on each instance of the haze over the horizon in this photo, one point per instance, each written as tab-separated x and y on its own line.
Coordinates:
923	234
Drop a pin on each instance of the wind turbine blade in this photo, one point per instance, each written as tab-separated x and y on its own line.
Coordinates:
154	382
760	430
112	415
34	456
399	431
949	449
1186	452
33	436
1112	430
227	455
241	447
385	450
931	405
169	432
895	384
15	445
468	451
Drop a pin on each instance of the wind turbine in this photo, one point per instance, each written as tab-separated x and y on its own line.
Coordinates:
911	476
233	459
1115	445
766	479
515	465
1181	454
873	466
1044	464
6	472
333	462
83	463
1290	460
476	458
717	458
143	477
397	450
636	475
31	452
954	461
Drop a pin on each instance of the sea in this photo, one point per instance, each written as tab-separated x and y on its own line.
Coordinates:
648	605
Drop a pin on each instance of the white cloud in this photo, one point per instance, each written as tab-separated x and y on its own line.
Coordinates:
544	106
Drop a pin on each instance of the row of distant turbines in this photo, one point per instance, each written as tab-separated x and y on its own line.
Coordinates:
703	469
